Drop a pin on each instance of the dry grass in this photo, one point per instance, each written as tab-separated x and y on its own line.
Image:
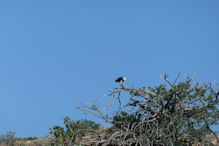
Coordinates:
90	139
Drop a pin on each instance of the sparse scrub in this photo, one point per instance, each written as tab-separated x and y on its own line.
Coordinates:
25	138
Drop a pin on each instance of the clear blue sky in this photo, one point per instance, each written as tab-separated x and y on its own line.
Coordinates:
55	54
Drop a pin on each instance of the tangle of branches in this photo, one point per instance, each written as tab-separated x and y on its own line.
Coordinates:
175	113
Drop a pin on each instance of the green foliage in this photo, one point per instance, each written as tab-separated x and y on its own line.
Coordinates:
8	138
73	130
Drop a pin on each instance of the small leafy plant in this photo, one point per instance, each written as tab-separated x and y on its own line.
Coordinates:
8	138
73	130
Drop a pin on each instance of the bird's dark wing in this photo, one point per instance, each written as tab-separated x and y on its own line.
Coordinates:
119	79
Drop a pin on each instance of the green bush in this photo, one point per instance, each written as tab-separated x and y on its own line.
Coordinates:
73	130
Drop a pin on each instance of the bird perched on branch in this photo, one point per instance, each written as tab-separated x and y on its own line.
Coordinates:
120	80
